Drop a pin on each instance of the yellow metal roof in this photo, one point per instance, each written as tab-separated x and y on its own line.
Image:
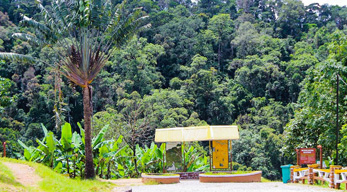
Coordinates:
201	133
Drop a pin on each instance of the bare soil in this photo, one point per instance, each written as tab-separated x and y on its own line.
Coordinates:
24	174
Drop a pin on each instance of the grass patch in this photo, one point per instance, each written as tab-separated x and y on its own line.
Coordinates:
227	173
55	182
326	184
320	184
8	181
264	180
343	186
151	182
6	176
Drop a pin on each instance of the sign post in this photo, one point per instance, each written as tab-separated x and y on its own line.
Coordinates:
320	156
297	156
4	146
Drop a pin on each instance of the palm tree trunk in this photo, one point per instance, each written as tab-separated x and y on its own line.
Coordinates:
87	109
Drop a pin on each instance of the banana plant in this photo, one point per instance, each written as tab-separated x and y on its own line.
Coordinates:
44	152
65	146
47	148
113	158
97	141
71	151
194	160
150	159
30	153
116	152
109	154
124	163
78	154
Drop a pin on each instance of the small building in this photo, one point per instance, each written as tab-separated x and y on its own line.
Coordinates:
219	138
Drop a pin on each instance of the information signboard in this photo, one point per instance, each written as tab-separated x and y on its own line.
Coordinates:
220	154
307	156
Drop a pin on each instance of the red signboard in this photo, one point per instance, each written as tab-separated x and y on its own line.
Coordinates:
307	156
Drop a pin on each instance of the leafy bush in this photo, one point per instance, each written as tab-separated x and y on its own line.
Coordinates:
10	136
112	159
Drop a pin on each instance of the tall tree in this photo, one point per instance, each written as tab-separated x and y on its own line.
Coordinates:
89	30
221	25
291	18
246	40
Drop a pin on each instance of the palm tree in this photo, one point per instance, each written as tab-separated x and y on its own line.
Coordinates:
88	30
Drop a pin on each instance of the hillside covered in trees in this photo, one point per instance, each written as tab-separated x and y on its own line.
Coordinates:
269	66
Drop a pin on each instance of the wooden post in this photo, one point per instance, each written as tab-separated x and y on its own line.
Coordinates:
320	156
209	145
292	173
231	156
4	146
333	176
337	120
297	156
336	176
310	175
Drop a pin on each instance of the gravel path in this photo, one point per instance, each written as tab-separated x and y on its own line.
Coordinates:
125	182
196	186
124	185
24	174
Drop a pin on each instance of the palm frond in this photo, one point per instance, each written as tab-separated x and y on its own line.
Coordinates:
28	22
29	38
128	26
16	57
88	36
61	14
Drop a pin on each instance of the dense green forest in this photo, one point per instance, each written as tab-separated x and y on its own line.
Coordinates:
269	66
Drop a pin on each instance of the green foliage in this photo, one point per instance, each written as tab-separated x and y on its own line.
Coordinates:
259	64
261	137
194	159
240	167
109	117
5	97
113	159
246	40
315	117
150	159
170	109
51	181
290	17
221	27
10	136
139	73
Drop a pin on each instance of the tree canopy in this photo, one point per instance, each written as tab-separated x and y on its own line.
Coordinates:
269	66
